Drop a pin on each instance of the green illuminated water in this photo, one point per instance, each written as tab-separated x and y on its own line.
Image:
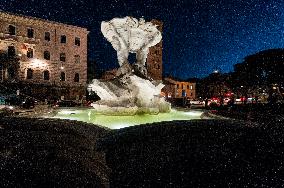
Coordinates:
117	122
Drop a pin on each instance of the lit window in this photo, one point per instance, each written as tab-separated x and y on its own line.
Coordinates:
62	57
46	55
29	74
76	78
77	41
30	33
77	59
47	36
62	76
12	30
46	75
30	53
63	39
191	87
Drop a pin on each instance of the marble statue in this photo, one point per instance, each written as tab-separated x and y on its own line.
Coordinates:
132	91
128	35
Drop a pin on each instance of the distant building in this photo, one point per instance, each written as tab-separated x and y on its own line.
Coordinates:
51	54
179	89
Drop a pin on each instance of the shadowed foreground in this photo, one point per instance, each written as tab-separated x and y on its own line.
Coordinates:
50	153
199	153
196	154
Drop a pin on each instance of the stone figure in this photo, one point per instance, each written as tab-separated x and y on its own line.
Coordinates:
130	93
128	35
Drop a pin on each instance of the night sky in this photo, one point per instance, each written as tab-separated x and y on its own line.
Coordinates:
199	36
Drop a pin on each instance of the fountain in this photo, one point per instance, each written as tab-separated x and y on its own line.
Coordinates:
131	98
131	91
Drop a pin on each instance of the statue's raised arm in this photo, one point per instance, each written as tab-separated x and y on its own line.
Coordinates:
128	35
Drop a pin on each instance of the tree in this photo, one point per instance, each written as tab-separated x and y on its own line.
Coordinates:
259	72
214	85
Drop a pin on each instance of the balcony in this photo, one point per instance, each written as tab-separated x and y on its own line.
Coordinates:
4	36
30	40
18	38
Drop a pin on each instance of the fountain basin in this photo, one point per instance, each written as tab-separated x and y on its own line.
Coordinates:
122	121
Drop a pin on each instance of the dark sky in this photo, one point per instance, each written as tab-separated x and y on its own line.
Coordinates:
199	35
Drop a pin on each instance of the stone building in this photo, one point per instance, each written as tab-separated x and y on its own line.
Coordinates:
154	60
179	89
52	55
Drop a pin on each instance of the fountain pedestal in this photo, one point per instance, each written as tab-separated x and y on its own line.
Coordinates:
128	95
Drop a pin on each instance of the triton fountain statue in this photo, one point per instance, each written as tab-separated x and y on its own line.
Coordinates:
131	91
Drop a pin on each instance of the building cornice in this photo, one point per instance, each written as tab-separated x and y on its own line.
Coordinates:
32	20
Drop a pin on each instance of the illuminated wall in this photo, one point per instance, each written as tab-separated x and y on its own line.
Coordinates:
179	89
45	46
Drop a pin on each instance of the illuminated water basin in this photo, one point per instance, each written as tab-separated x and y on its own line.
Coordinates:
117	122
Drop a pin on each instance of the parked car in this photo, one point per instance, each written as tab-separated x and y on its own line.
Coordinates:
8	107
6	110
240	100
29	103
226	101
196	103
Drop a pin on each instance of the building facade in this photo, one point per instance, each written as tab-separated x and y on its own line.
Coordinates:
179	89
155	56
51	54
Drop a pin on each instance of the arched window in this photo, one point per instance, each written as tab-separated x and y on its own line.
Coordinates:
46	75
30	33
12	30
30	74
76	78
47	36
46	55
62	76
77	41
63	39
30	53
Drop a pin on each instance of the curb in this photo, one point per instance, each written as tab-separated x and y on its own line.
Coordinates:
209	115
